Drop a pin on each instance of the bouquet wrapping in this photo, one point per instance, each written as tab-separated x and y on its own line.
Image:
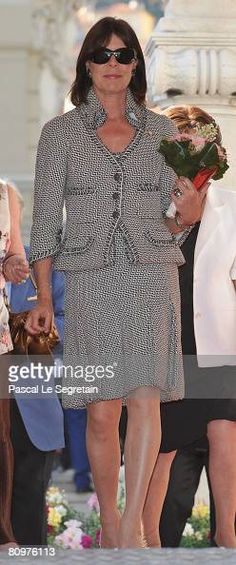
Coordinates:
196	156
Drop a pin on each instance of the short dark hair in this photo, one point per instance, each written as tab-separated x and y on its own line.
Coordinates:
98	36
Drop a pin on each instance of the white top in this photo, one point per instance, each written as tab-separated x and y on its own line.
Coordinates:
214	294
5	336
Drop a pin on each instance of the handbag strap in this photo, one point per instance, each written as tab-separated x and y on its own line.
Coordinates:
32	278
5	295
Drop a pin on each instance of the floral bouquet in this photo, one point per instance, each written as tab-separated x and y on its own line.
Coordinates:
66	527
196	156
70	529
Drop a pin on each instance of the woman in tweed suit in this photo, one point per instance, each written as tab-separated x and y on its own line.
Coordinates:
122	319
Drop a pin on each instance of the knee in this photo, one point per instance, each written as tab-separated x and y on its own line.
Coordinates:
221	431
101	423
144	401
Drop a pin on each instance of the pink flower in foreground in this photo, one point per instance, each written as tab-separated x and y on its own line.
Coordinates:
181	137
198	141
93	502
86	541
71	538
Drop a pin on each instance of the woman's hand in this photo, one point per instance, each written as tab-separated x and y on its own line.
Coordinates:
188	200
40	318
16	269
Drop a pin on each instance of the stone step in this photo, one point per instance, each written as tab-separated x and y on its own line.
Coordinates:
211	556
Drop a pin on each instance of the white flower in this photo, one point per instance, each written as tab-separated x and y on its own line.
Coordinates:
122	474
188	530
121	486
209	131
56	497
61	510
71	537
73	524
198	536
93	503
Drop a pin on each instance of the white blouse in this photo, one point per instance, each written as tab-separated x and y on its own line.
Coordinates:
5	336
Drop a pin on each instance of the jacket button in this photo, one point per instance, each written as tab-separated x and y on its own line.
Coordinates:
117	177
115	195
115	214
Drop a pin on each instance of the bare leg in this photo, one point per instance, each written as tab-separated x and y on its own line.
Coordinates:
155	498
7	538
222	471
6	456
104	455
141	449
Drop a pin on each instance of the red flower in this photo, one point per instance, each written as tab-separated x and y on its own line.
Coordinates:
86	541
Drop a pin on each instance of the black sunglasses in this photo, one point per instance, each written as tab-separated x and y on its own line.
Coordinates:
124	55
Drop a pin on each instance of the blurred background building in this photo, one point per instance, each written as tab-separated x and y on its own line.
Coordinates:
39	43
190	52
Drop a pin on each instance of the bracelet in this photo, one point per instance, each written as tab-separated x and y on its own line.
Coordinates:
47	287
5	263
178	222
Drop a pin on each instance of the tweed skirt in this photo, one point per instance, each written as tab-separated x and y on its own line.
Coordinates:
122	332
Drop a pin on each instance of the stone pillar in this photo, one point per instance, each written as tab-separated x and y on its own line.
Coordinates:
191	59
53	31
16	86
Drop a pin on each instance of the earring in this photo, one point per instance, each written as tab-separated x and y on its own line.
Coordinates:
89	73
133	73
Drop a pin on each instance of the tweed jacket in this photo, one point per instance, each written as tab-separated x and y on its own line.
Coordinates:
102	191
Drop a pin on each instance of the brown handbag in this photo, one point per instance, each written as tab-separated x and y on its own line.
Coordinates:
23	342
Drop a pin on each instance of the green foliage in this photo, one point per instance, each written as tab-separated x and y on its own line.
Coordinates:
197	529
187	162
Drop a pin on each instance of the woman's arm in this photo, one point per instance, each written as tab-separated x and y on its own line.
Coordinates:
16	245
50	179
15	265
189	205
49	185
40	317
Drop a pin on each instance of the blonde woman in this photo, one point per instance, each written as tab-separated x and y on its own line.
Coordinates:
14	268
208	313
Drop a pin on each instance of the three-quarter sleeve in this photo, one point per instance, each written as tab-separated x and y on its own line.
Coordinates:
167	176
50	179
